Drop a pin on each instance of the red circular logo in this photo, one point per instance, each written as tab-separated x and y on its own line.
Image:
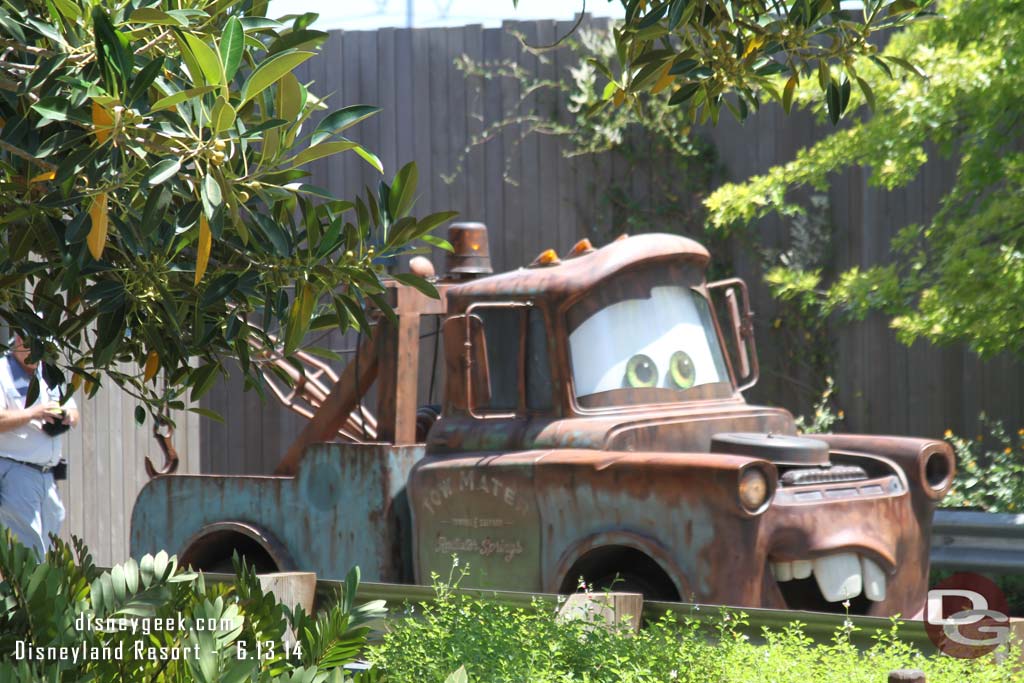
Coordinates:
966	616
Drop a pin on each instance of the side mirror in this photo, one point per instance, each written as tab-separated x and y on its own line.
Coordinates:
741	323
466	358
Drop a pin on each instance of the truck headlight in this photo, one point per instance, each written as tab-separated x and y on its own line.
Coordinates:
754	489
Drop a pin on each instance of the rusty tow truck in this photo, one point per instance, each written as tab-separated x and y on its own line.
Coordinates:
593	426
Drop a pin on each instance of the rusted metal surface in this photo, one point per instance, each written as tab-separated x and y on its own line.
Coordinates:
558	482
528	498
470	254
337	406
346	506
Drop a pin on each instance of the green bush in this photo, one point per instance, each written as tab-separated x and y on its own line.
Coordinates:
501	643
65	620
990	469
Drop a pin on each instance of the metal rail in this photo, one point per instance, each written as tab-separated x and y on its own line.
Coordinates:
978	541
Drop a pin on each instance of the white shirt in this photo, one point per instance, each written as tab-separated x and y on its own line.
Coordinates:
28	443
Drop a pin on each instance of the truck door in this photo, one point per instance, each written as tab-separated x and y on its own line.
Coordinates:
479	501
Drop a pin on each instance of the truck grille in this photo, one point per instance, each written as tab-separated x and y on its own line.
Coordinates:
830	475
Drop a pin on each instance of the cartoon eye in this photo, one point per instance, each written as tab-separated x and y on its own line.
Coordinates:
641	372
681	372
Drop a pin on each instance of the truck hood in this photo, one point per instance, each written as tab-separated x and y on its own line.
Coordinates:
684	428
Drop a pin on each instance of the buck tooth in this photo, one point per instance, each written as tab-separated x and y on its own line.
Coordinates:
838	576
802	569
783	571
874	580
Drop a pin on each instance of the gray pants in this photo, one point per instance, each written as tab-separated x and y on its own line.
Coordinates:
29	505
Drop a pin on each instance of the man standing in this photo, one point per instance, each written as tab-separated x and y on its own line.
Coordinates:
30	447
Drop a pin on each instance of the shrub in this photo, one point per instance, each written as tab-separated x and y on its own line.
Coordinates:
497	642
210	632
990	469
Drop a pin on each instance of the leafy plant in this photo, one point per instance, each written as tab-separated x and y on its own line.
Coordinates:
825	417
733	52
65	620
491	642
960	276
153	187
990	469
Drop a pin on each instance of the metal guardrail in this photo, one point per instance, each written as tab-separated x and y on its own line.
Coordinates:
978	541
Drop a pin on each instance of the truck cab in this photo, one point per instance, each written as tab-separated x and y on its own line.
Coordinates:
594	430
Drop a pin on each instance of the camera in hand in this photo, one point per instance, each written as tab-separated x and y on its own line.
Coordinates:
57	428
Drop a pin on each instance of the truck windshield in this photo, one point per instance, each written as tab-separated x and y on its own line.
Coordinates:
645	345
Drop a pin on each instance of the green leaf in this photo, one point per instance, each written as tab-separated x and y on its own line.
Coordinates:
222	117
684	93
418	283
600	66
369	157
403	190
342	119
438	242
207	58
150	15
299	316
211	195
306	188
271	71
431	222
209	414
202	380
113	52
675	13
324	149
787	93
260	24
832	98
305	38
232	45
912	68
144	79
140	414
161	171
291	98
683	66
869	95
179	97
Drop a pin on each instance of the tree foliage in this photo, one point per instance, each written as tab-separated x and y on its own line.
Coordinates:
732	52
151	620
154	197
959	277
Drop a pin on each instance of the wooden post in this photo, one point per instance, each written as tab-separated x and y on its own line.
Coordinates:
290	589
607	609
907	676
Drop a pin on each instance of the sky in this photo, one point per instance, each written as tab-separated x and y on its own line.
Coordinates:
358	15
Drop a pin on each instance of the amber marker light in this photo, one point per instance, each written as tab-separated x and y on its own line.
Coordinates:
548	257
582	247
753	489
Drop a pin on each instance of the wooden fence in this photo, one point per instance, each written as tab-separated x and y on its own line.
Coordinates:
430	112
106	469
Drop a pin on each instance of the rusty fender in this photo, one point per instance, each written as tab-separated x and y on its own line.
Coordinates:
550	507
